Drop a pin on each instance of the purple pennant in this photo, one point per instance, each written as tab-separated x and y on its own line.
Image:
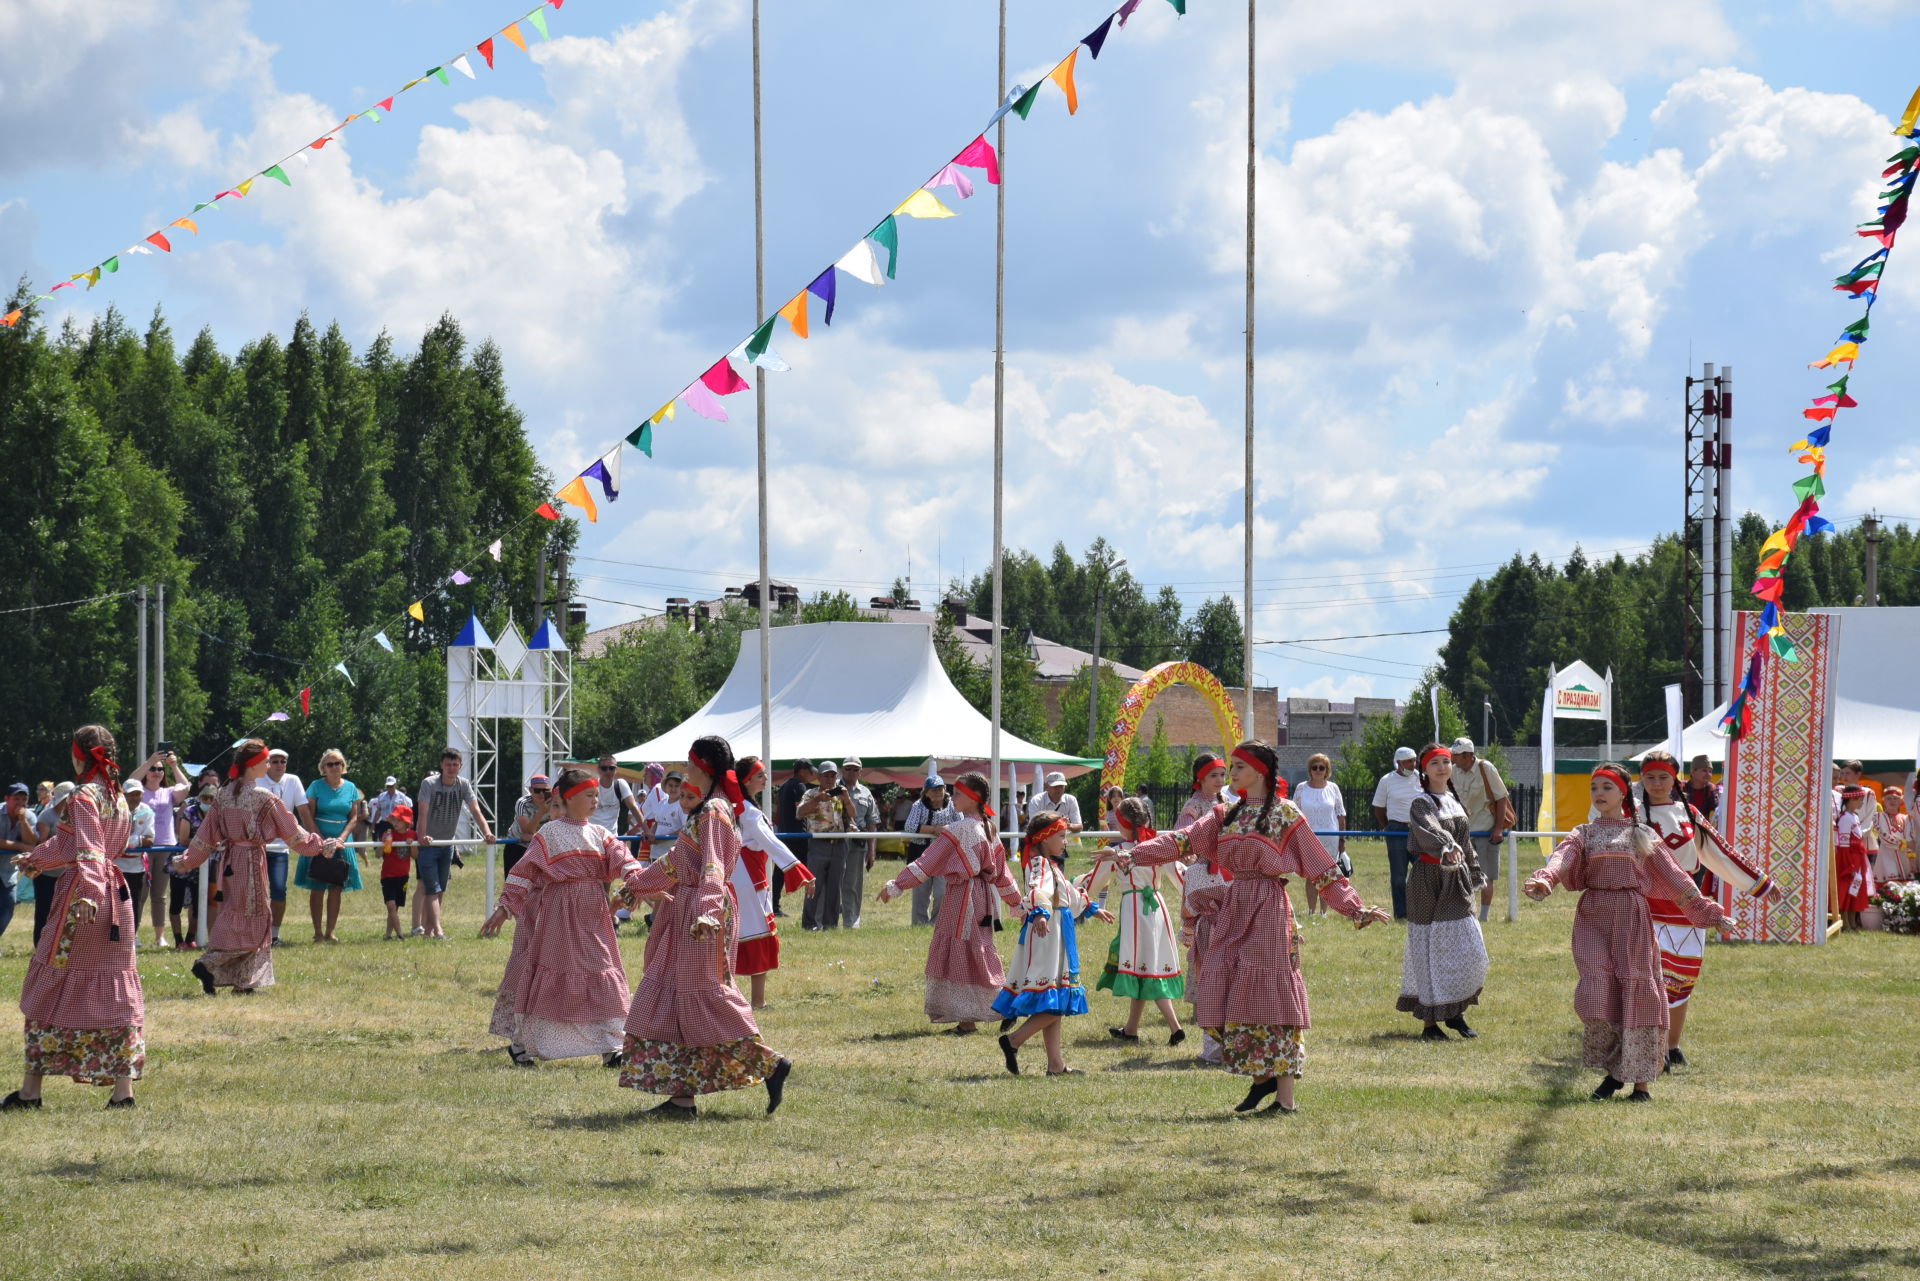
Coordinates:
1099	37
1126	11
823	289
598	471
461	578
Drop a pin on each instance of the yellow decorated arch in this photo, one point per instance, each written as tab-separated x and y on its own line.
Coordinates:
1126	724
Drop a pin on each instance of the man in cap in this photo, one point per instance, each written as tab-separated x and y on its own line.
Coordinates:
529	812
44	826
293	794
1392	805
381	807
860	854
16	837
786	818
1054	800
931	812
826	809
1484	796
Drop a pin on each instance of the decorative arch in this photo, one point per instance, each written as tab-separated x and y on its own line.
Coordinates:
1126	725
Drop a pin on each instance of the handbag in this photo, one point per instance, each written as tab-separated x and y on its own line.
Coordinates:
328	869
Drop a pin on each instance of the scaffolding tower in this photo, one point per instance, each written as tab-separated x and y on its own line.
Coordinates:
516	679
1707	544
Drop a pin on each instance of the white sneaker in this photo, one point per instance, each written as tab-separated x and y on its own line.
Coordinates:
419	932
161	943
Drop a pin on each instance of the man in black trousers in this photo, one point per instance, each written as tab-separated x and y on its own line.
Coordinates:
785	820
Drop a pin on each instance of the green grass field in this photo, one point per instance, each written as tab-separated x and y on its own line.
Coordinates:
356	1121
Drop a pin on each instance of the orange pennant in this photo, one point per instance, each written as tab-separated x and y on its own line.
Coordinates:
11	319
188	223
1062	75
795	314
512	32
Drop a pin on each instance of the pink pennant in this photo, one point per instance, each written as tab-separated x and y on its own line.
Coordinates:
979	154
1843	402
952	177
721	380
702	402
386	104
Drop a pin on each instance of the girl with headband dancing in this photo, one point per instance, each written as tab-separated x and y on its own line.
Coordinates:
1203	885
1143	961
690	1031
1619	864
1043	980
1250	995
762	853
1446	959
85	1014
964	977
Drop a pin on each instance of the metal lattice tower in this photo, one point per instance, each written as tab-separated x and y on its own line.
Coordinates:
488	681
1706	555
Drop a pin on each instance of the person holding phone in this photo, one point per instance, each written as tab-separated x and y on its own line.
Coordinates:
826	810
166	800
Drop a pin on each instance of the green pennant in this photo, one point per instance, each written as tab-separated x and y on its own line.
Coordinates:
1857	330
539	20
1896	195
1024	103
888	235
373	114
1809	487
275	171
1783	646
641	438
1179	6
202	205
1839	388
1861	272
1906	155
112	264
757	345
439	73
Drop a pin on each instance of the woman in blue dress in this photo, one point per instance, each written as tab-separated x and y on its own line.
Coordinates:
338	810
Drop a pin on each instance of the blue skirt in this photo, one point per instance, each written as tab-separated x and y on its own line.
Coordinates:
1064	1000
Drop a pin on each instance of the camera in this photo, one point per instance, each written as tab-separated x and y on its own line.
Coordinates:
164	747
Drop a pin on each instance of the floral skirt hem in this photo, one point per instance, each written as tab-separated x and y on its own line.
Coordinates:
1262	1049
91	1056
679	1071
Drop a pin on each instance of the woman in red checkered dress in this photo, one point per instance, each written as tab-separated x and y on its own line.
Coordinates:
757	952
1249	994
570	993
85	1014
1621	998
690	1031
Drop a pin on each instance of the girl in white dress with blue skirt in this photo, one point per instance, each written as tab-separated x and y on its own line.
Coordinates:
1043	980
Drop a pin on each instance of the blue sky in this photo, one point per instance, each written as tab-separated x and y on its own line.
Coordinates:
1493	237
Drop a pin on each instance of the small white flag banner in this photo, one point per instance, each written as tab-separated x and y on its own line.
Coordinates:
380	639
342	669
493	549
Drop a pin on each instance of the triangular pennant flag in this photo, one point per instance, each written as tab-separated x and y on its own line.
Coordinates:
575	492
1809	487
824	288
722	380
1818	525
950	176
1179	7
306	701
1819	415
606	470
887	236
702	402
373	114
979	154
771	361
278	716
512	32
157	239
92	277
539	20
464	67
1062	75
485	48
188	223
641	438
460	578
795	314
241	189
1907	117
757	344
204	204
665	411
493	549
386	104
319	142
11	319
1845	354
546	512
275	171
922	204
438	73
1126	11
1098	37
380	639
860	263
111	265
137	249
417	611
1024	103
342	669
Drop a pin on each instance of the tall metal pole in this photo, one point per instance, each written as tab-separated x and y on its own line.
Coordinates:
760	440
999	397
160	670
140	678
1871	593
1093	686
1246	679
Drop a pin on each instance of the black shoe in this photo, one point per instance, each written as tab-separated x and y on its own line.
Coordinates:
1639	1096
957	1030
1012	1053
205	975
1121	1034
777	1084
611	1059
14	1103
1432	1033
1275	1106
1607	1088
520	1058
1675	1059
1459	1024
1260	1090
671	1111
121	1103
1006	1025
1179	1036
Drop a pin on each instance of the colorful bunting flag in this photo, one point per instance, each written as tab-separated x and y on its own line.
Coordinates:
606	470
460	578
417	611
1097	37
1024	104
485	48
546	512
887	236
278	716
306	701
795	314
539	20
757	344
1126	11
464	67
823	288
860	263
493	549
641	438
157	239
342	669
380	639
950	176
512	32
979	154
275	171
722	380
1062	75
575	493
702	402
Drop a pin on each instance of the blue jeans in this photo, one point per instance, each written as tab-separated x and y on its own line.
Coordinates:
6	906
1397	860
277	875
434	865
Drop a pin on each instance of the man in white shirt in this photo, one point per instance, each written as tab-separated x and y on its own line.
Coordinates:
381	807
292	794
1483	794
1392	803
616	804
661	813
1054	800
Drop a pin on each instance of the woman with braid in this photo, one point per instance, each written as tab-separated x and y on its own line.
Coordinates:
1249	994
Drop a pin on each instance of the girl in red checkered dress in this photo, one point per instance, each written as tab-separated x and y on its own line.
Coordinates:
762	852
570	994
85	1014
1621	999
690	1031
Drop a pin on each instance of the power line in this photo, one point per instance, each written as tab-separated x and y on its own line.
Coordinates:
63	604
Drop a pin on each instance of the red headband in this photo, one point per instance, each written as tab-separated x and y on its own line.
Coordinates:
240	767
1246	757
1618	779
1042	836
727	780
1658	767
1204	768
977	799
571	792
1139	832
1431	752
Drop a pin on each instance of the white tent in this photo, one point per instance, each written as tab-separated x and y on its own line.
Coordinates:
1876	704
872	690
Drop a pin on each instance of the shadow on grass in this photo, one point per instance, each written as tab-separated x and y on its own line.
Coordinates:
768	1192
120	1173
910	1034
1561	1080
639	1119
1142	1063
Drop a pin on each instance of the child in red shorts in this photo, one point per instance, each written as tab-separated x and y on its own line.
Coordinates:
398	841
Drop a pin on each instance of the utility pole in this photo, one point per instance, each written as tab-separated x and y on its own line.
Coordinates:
1486	723
1246	663
140	678
560	592
1872	526
160	669
760	442
1093	690
999	407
